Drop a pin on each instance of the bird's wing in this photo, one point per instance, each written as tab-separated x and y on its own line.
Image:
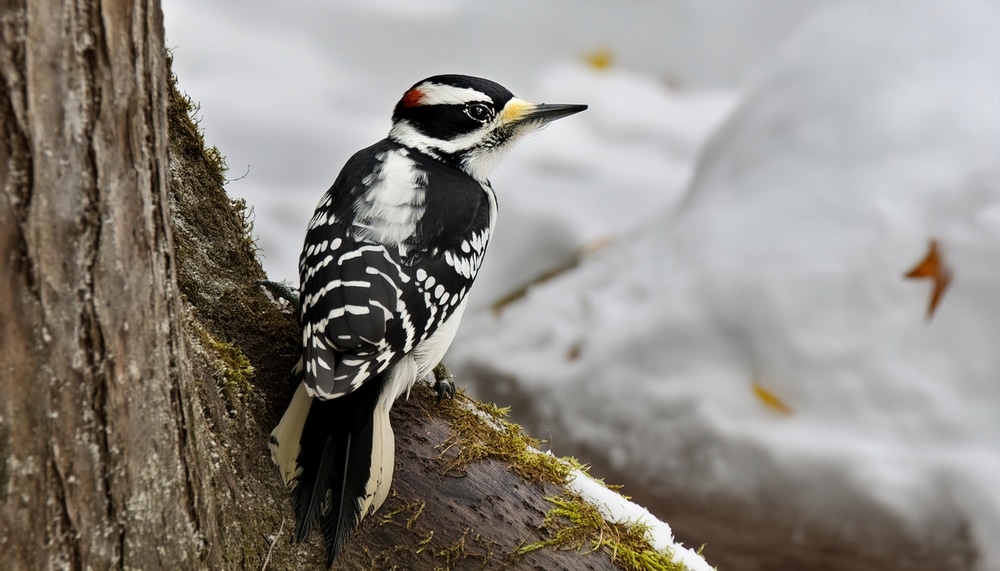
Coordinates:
352	311
364	304
369	307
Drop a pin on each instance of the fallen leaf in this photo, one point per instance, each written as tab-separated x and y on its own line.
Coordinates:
771	400
599	59
573	353
932	267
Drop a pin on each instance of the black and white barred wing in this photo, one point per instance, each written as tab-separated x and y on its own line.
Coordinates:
352	311
369	307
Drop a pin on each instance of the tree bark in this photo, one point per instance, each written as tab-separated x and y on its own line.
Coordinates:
99	467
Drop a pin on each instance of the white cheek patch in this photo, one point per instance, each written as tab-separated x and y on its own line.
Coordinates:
406	134
437	94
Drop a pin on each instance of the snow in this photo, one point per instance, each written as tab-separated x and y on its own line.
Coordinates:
874	131
766	266
616	509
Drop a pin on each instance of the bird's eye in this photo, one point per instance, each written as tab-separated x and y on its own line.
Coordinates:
478	112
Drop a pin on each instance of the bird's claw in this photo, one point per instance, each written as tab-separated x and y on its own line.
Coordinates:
444	382
283	291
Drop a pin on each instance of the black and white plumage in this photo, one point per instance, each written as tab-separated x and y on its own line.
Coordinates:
389	257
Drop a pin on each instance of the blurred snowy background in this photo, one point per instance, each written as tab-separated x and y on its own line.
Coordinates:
730	330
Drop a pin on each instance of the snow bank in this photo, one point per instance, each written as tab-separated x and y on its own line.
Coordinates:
616	509
759	340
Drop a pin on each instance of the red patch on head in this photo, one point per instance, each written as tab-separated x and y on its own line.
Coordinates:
413	97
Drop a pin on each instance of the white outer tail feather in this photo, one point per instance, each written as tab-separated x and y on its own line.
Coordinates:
383	460
286	436
401	378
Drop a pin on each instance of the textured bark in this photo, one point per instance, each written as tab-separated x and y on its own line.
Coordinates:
98	468
133	431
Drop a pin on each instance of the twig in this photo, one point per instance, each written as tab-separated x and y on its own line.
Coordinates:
239	177
270	546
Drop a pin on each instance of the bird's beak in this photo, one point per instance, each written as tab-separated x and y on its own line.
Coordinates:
518	111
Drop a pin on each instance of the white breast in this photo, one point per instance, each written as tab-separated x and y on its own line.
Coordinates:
429	353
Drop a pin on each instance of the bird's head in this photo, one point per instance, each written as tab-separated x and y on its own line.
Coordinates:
468	121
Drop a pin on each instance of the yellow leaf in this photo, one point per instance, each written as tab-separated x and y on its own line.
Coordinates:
770	399
599	59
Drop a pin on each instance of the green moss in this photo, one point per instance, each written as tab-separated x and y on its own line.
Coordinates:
576	524
240	337
413	509
453	553
218	268
233	369
425	542
213	233
481	430
182	115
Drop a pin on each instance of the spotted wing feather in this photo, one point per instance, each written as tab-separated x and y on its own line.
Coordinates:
351	323
367	304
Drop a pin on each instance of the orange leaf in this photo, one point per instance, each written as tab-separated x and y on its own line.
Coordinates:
932	267
770	399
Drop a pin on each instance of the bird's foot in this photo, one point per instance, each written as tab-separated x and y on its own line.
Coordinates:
283	291
444	382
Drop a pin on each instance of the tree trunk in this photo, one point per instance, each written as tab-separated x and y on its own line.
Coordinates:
142	367
98	466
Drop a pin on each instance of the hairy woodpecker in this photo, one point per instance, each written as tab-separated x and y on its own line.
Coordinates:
389	257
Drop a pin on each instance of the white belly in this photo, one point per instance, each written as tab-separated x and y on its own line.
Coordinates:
429	353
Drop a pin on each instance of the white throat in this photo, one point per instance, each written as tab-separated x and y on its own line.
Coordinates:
478	161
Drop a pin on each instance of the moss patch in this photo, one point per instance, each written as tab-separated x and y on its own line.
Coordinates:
217	264
575	524
410	511
188	138
481	430
454	552
232	368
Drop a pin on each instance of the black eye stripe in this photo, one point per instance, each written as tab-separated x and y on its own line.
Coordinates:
444	122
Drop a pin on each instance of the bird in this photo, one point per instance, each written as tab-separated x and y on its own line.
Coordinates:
389	256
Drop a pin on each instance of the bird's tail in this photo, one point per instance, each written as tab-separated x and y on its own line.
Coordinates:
336	456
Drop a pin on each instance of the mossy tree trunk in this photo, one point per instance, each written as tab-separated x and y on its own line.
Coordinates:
98	467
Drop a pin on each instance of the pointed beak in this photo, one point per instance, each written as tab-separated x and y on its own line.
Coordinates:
546	112
519	112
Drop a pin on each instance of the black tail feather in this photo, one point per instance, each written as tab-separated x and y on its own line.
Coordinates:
335	458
